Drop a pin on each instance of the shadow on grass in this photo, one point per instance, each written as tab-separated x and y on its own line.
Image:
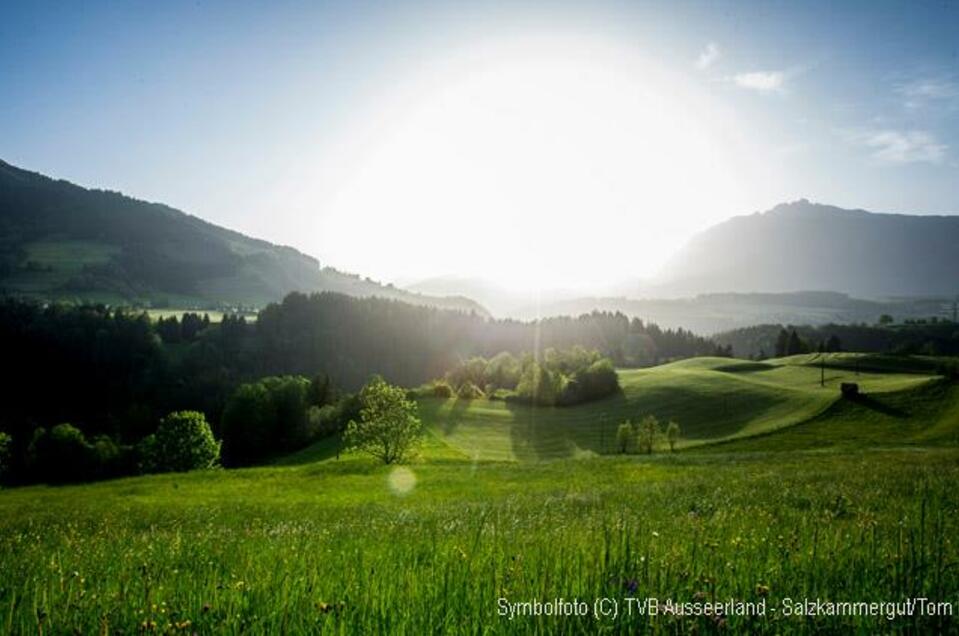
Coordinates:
556	432
874	404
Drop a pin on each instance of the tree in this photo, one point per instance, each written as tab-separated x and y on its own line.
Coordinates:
4	452
625	437
537	384
183	441
321	390
672	435
796	345
648	432
782	343
885	319
247	424
388	427
833	345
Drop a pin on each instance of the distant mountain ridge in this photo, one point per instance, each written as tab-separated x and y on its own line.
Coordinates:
801	245
60	240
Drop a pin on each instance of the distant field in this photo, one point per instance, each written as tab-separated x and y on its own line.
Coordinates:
215	315
50	264
712	399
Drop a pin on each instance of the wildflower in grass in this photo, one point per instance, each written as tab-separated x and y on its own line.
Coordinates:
762	590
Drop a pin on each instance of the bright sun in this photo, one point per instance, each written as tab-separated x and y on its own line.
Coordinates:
544	162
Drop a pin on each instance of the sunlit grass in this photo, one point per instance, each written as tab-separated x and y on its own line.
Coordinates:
712	399
332	547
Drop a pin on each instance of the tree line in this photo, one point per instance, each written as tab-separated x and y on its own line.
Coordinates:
112	374
555	378
940	338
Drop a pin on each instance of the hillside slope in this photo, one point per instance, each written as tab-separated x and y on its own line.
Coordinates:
59	240
713	400
801	246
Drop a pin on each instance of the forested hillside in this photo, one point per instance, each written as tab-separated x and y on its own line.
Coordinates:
62	241
115	373
931	338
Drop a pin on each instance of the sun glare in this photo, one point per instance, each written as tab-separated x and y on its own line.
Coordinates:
546	162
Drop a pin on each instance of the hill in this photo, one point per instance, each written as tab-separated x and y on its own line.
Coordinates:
802	245
716	401
59	240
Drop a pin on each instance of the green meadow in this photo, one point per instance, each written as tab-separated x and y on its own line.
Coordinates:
780	491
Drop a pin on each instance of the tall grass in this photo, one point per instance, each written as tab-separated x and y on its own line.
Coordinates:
330	548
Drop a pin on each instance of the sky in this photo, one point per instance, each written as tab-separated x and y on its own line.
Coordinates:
538	144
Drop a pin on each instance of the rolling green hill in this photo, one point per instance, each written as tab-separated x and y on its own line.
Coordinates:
62	241
312	546
714	400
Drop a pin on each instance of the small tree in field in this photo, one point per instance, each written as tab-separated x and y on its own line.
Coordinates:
183	441
648	432
672	435
625	437
388	428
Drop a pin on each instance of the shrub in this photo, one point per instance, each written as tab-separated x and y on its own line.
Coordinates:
248	422
183	441
59	455
271	416
647	434
110	459
469	391
538	385
442	389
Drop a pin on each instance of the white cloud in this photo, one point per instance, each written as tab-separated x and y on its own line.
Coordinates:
762	81
708	56
920	92
902	146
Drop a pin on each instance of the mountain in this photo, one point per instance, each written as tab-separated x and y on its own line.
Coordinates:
711	313
801	245
59	240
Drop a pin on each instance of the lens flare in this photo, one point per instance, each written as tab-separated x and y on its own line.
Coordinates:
402	480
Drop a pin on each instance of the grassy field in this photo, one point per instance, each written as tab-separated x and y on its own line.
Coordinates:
215	315
862	507
712	399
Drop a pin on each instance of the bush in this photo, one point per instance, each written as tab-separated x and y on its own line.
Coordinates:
271	416
248	422
469	391
60	454
442	389
183	441
647	434
538	385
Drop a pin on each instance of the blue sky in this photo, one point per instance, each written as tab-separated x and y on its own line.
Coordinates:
300	122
